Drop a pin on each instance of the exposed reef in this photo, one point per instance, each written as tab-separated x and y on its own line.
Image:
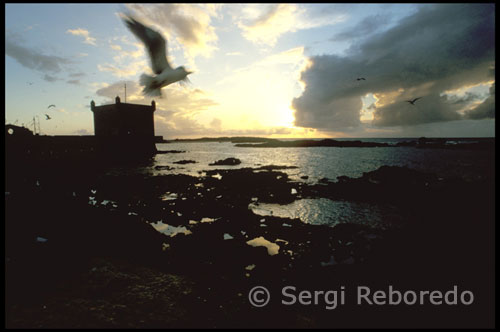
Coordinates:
228	161
139	250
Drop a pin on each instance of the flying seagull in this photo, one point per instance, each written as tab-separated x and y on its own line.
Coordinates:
48	117
360	79
157	50
51	106
413	101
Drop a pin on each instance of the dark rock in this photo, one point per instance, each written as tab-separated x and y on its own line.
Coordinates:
164	167
228	161
275	167
183	162
169	151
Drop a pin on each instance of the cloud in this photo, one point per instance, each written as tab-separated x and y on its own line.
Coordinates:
79	74
115	47
125	70
76	82
186	101
84	33
172	124
111	91
264	24
364	28
484	110
50	78
216	124
180	114
188	24
31	58
437	49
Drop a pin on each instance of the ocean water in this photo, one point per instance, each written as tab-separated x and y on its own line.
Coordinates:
316	163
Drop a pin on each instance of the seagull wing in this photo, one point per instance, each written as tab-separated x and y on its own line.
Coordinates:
51	106
414	100
154	42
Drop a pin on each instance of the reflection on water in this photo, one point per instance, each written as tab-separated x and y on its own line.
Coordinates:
312	165
324	211
169	229
320	162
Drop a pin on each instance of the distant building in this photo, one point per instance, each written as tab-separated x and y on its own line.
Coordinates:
123	128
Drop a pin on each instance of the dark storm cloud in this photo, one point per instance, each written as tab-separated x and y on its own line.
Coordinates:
437	49
31	58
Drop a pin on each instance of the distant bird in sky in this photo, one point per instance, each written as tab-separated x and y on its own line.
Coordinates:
157	50
360	79
30	83
52	105
48	117
413	101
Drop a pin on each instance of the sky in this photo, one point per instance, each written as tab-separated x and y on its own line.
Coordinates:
275	70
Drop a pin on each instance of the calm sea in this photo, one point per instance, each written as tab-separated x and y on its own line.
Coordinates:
325	162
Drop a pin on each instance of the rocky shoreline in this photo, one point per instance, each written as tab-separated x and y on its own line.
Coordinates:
422	142
88	249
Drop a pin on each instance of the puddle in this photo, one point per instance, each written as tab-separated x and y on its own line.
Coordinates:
250	267
169	196
41	239
324	211
106	202
170	230
272	248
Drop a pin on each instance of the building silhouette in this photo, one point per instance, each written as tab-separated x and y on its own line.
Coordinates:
125	129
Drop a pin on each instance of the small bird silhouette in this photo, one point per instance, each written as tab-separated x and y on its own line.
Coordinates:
413	101
157	50
52	105
48	117
360	79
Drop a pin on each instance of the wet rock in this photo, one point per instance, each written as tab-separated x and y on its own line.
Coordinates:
275	167
183	162
228	161
169	151
164	167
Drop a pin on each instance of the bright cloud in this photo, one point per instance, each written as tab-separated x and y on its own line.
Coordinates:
85	34
419	57
264	24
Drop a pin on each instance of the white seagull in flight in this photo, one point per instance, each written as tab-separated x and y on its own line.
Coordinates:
157	49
